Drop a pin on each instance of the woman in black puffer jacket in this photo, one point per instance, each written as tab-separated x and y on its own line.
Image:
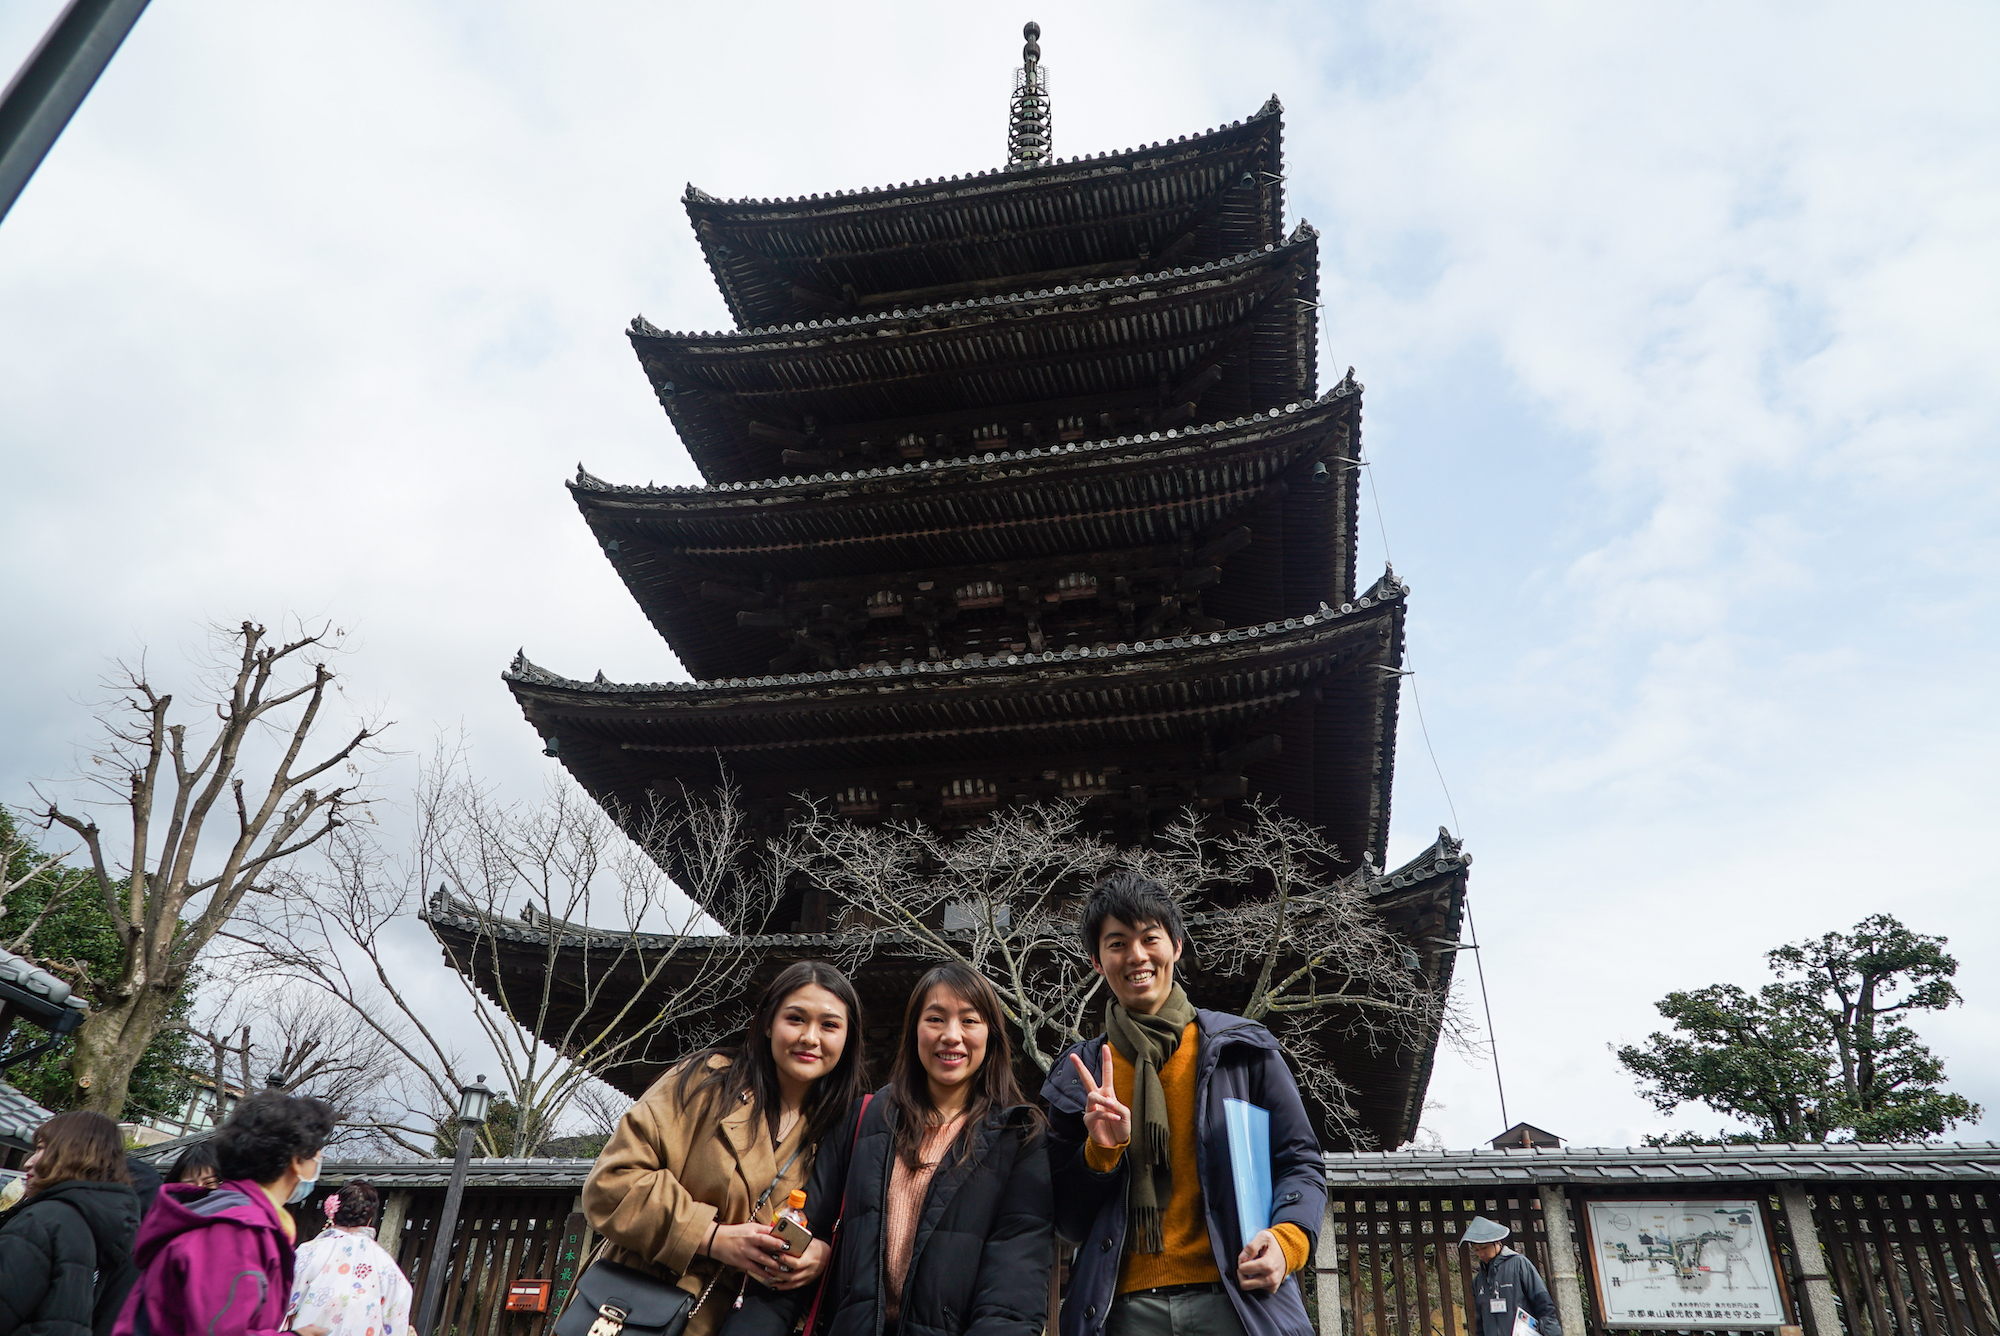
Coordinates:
66	1250
945	1180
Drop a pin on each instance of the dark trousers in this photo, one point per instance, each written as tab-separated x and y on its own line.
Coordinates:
1178	1312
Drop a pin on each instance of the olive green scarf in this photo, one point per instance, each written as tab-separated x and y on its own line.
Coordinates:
1148	1043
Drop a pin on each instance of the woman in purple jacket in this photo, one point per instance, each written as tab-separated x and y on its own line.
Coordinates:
218	1261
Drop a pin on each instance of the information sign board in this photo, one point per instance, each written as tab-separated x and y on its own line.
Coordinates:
1684	1265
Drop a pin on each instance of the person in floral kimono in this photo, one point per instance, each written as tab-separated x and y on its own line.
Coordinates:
344	1280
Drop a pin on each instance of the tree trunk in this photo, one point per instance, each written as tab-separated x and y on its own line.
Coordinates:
109	1044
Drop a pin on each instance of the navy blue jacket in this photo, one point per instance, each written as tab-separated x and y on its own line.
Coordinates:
1512	1278
1239	1059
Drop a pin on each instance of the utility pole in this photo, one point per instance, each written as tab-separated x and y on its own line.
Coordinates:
54	82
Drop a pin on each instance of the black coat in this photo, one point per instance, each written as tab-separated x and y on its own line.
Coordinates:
66	1259
979	1265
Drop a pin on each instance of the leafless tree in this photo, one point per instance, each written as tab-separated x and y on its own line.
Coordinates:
1321	961
1003	898
998	897
556	891
311	1044
597	1109
168	894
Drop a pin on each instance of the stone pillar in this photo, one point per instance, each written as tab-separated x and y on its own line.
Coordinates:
1326	1275
1565	1284
1822	1318
395	1210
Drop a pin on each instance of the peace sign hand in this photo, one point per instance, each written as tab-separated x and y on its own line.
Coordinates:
1108	1122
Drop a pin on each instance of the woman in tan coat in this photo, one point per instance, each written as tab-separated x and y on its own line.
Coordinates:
687	1186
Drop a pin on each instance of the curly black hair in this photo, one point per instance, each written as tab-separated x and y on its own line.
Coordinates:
267	1130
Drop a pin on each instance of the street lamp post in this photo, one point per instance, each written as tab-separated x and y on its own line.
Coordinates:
473	1102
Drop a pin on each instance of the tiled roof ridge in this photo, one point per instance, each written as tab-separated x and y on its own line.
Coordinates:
1446	854
1041	171
20	1116
444	907
1663	1166
1963	1160
1385	591
1303	236
1348	387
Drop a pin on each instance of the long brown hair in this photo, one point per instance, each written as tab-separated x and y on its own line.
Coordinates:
81	1145
754	1072
993	1085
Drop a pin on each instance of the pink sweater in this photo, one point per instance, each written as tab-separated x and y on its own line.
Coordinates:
907	1189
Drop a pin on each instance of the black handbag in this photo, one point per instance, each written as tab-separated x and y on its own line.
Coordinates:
616	1300
611	1299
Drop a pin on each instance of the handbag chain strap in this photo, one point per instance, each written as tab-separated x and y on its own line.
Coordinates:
611	1318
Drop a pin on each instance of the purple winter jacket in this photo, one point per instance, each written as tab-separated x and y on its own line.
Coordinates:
212	1262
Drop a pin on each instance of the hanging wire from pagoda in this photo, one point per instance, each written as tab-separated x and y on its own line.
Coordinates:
1028	129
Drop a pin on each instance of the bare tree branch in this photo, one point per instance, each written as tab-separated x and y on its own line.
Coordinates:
166	915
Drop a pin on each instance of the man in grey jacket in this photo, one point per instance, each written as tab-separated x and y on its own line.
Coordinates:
1506	1283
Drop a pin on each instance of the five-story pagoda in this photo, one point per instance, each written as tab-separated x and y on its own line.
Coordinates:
1019	486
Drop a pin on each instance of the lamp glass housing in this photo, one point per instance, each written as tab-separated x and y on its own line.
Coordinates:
474	1102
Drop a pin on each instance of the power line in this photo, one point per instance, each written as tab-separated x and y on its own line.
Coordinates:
1458	827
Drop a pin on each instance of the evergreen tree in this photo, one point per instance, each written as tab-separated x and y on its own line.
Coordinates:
1824	1053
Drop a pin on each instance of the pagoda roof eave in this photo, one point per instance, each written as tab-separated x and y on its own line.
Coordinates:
693	558
980	673
780	259
1445	858
1318	693
743	497
1109	340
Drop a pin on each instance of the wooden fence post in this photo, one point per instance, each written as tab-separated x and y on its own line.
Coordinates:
1822	1318
1565	1282
1326	1274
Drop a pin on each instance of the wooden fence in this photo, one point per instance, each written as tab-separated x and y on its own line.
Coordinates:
1912	1263
1870	1241
1894	1260
502	1236
1401	1263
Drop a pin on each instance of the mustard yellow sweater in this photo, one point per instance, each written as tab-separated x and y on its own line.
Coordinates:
1187	1258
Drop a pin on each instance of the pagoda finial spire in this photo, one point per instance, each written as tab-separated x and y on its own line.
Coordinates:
1028	113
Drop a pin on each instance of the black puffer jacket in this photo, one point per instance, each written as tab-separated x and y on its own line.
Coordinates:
66	1259
980	1263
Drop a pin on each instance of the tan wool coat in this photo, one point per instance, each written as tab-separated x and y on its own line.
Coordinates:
671	1172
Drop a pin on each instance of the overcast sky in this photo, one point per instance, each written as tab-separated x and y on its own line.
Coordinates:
1679	325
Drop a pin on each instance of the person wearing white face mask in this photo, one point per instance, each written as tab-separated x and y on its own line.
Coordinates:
219	1260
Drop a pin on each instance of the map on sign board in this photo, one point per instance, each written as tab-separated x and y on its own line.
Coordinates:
1685	1265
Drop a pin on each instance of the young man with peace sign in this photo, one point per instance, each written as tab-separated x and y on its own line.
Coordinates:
1140	1157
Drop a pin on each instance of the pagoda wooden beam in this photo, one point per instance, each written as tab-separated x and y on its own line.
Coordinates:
1216	346
1171	247
800	289
770	434
1216	549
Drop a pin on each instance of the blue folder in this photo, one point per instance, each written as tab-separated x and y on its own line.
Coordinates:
1249	1129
